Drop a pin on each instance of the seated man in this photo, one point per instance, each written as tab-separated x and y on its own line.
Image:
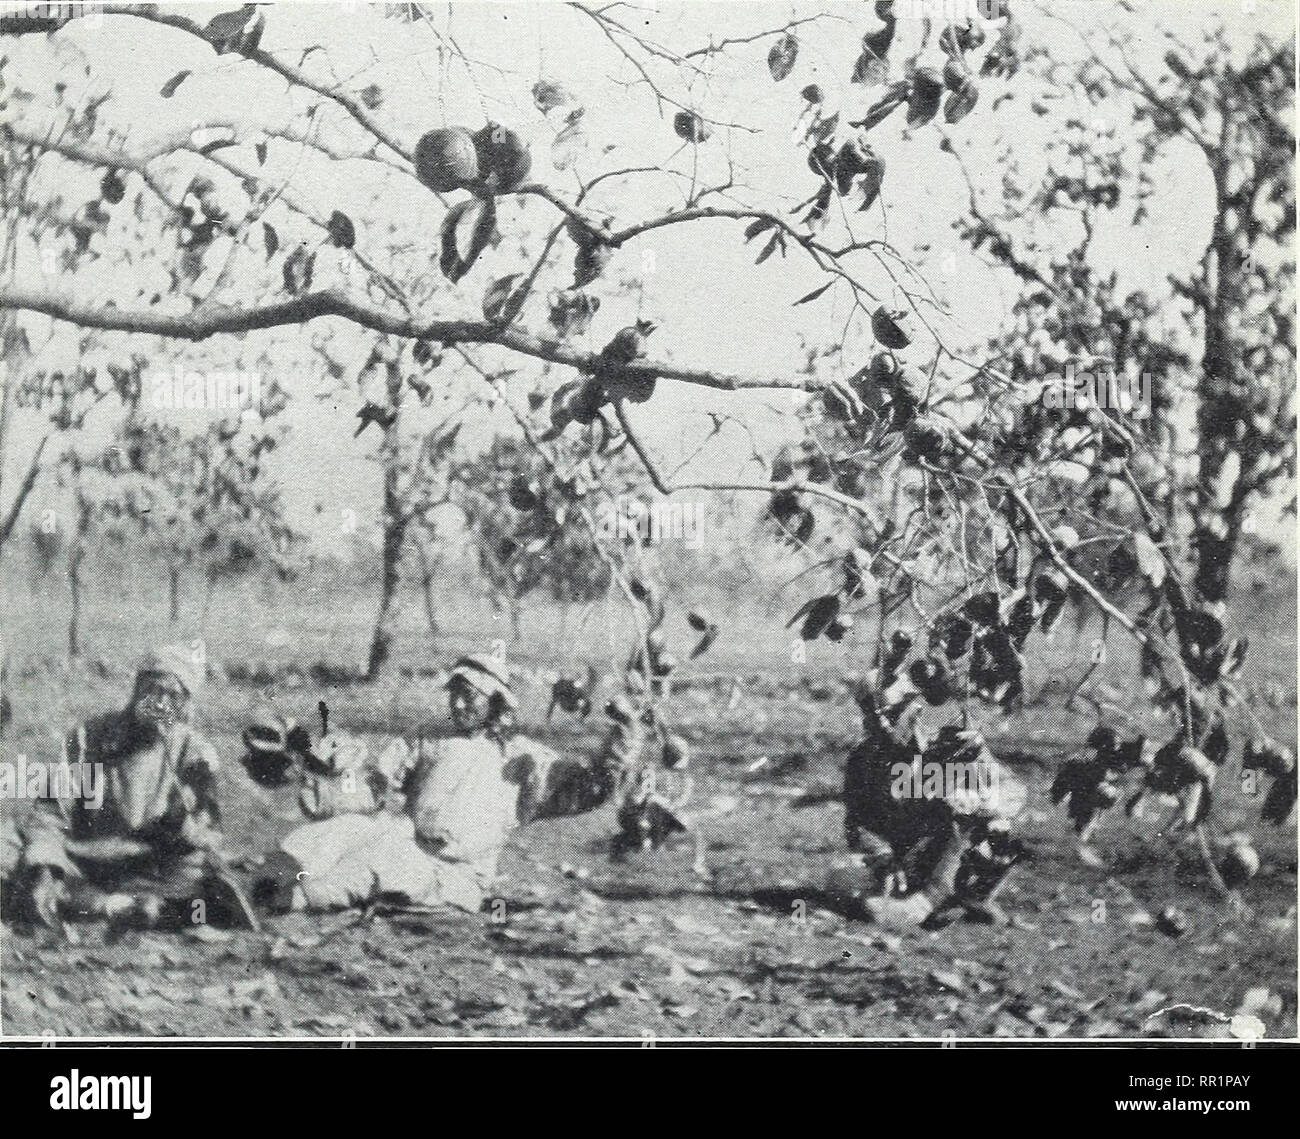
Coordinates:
144	852
462	795
929	821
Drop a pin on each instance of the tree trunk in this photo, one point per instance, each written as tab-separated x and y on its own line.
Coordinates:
74	610
395	520
1222	405
381	642
173	594
428	566
76	559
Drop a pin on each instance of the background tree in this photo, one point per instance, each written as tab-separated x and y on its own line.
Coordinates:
1232	106
55	376
529	529
204	500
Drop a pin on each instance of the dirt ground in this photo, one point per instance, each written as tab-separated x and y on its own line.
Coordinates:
579	946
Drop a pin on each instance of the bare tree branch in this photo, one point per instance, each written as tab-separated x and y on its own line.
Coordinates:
333	302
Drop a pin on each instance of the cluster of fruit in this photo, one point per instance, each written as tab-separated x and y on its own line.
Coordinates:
581	400
489	161
889	395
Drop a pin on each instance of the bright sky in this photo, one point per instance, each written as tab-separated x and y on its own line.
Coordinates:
716	308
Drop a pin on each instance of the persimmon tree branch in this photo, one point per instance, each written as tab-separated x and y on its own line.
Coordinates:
294	75
221	319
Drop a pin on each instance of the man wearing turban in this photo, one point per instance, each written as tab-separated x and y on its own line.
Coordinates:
141	854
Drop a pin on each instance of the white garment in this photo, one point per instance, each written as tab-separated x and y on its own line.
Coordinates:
350	860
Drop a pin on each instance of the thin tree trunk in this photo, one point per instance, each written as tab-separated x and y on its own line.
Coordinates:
74	612
173	594
1221	408
428	567
77	559
381	642
394	538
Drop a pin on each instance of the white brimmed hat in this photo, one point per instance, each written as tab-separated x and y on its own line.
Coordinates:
485	673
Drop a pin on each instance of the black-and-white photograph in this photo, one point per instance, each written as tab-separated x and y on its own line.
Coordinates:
648	521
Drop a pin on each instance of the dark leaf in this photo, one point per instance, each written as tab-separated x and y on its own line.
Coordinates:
781	59
872	66
983	610
271	238
961	102
111	187
859	581
690	127
342	231
548	95
466	232
758	226
923	100
260	148
1121	565
226	27
872	179
952	633
169	88
870	70
769	248
497	300
572	312
817	616
249	41
800	529
890	102
817	292
703	644
823	130
298	270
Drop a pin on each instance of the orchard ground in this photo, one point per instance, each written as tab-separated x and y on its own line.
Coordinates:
578	946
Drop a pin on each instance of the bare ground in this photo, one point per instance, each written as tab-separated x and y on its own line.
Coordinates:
645	949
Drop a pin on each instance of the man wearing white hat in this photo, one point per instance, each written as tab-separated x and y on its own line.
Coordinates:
462	796
142	850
